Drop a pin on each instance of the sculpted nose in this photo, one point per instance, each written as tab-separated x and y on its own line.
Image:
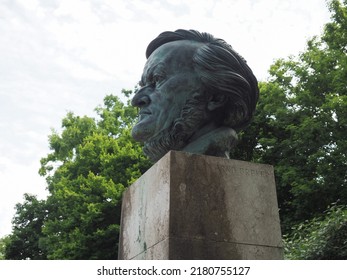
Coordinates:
141	98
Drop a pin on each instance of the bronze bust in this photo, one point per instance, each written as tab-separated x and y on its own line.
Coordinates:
195	94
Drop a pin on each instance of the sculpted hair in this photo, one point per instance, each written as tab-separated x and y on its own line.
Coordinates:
222	71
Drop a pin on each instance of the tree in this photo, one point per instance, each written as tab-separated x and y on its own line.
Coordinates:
24	241
3	244
322	238
301	124
92	162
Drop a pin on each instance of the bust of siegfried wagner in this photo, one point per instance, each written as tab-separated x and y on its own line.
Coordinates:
195	94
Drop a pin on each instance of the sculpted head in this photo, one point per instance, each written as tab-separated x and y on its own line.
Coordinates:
195	93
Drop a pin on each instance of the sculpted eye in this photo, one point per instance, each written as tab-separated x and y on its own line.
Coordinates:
156	79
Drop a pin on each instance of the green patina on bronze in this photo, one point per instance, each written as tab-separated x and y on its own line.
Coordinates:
195	94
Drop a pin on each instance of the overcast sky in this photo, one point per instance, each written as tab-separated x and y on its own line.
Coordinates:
66	55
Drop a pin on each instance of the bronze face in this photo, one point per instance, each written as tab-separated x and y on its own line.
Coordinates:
168	80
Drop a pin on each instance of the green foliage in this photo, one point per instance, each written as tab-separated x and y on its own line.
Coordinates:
23	243
91	163
301	122
3	244
95	160
320	238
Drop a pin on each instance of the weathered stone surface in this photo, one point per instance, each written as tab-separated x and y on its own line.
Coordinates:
200	207
145	212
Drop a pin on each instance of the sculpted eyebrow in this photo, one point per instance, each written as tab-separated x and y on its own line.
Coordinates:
151	71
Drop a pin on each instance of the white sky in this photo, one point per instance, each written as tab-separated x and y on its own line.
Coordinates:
66	55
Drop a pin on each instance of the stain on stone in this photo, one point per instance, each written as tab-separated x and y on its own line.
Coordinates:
204	211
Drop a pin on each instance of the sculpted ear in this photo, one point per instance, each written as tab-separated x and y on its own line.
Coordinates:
216	101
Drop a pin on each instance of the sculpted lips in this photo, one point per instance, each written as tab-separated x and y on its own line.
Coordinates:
144	113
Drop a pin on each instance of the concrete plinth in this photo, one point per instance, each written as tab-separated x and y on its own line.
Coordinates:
200	207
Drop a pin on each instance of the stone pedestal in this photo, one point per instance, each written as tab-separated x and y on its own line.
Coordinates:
200	207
